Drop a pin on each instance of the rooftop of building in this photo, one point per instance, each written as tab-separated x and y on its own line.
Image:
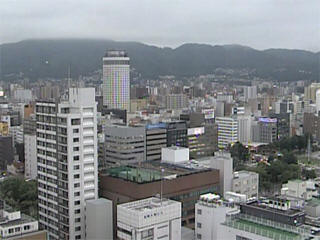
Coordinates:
116	53
148	204
23	220
258	204
314	202
147	172
244	174
262	230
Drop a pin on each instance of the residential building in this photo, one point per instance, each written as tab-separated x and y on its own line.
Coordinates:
246	182
227	131
30	147
116	80
244	128
151	218
67	162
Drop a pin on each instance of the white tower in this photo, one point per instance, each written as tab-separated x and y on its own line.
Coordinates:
67	162
116	80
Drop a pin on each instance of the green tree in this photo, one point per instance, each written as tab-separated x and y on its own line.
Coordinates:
20	194
240	154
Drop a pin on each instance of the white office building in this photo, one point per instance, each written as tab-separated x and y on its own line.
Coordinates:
67	162
150	218
227	131
116	80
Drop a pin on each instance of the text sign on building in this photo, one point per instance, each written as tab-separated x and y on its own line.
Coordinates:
195	131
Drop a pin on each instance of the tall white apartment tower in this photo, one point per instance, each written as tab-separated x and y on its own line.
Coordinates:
67	162
116	80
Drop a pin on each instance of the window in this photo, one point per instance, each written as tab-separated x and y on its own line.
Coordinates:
77	202
76	158
76	194
78	220
78	237
199	236
76	130
76	167
77	228
26	227
75	149
77	211
76	185
76	176
199	211
75	140
198	225
75	121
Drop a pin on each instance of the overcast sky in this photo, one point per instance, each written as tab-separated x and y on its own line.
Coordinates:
257	23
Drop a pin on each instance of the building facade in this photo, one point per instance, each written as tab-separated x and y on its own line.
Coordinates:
245	182
151	218
67	162
116	80
227	131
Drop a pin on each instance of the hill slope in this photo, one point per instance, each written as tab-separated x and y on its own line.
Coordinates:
42	58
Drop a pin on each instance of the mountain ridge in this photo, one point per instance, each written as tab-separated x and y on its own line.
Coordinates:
51	58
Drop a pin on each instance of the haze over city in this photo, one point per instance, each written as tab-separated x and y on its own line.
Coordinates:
259	24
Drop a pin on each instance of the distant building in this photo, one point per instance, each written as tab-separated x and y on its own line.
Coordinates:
245	182
267	130
224	163
124	144
116	80
6	152
227	131
150	218
4	128
250	92
176	101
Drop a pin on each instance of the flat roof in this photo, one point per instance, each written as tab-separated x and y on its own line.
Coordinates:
148	204
24	219
152	171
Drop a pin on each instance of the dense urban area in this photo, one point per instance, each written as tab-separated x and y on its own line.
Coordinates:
118	153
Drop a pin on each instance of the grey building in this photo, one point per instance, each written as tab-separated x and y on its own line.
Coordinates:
267	130
6	152
124	144
177	133
156	138
99	219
